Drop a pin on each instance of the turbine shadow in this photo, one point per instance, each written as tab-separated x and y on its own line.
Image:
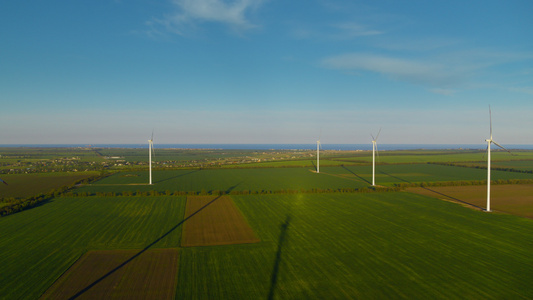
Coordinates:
277	260
356	175
314	165
177	176
453	198
399	178
78	294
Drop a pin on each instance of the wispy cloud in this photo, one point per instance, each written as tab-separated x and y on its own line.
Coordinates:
352	30
440	72
192	13
415	71
334	31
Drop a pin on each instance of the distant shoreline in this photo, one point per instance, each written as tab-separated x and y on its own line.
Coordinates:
342	147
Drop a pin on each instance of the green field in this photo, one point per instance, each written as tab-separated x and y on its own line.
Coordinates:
39	244
27	185
315	246
272	179
277	179
312	245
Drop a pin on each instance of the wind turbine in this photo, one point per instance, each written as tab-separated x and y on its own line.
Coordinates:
374	150
318	155
490	141
150	150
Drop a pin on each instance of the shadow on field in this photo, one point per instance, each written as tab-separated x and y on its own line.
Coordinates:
147	247
277	261
399	178
177	176
314	165
356	175
453	198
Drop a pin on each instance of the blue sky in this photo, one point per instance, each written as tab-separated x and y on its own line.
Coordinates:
265	71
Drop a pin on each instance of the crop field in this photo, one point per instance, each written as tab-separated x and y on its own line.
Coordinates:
314	246
119	274
522	165
27	185
516	199
40	244
378	246
425	156
415	173
277	179
215	220
273	179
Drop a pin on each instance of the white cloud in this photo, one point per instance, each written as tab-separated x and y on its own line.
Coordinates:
440	72
415	71
352	30
191	13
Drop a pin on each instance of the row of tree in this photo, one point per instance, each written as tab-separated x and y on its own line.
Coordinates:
218	192
462	183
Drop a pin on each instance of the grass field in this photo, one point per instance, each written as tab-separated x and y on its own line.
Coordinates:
119	274
39	244
27	185
313	246
273	179
389	175
306	245
379	246
276	179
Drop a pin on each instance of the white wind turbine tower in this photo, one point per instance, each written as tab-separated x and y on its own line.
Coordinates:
374	150
150	150
318	155
490	141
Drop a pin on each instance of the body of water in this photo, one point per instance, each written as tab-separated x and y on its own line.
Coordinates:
381	147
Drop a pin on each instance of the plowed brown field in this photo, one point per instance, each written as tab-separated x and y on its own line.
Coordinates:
213	220
516	199
119	274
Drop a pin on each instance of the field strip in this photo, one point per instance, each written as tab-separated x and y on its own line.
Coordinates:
115	184
516	199
343	176
213	220
102	274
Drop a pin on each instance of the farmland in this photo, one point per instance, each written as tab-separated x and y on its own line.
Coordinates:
121	274
299	234
277	179
513	199
377	245
26	185
215	220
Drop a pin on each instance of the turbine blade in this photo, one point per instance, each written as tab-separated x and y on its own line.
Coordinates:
377	136
485	152
501	147
373	139
152	138
490	120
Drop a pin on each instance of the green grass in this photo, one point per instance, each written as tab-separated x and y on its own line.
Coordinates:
389	175
377	246
313	246
268	179
39	244
277	179
27	185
